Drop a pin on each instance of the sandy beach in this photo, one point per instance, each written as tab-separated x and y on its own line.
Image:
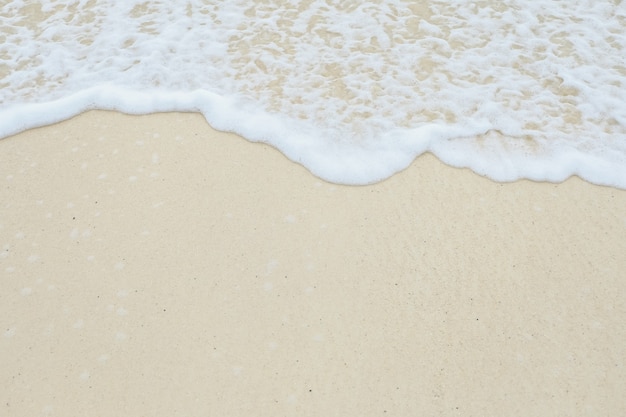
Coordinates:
152	266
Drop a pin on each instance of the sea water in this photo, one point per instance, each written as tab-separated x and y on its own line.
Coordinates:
353	90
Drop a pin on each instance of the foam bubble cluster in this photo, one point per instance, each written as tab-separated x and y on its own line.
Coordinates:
352	90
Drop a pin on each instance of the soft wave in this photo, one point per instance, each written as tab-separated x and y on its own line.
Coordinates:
352	90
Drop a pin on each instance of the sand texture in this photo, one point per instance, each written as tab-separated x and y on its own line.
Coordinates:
151	266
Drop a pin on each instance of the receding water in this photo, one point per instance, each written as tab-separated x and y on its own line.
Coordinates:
352	90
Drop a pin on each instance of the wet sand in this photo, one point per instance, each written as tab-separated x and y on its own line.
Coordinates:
153	266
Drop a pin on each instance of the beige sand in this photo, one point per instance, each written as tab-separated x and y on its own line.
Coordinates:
151	266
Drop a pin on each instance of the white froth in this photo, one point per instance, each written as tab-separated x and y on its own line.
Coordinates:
352	90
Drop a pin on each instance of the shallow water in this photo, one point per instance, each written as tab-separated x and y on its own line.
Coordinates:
352	90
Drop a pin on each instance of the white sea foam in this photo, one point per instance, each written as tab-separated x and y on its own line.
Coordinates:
352	90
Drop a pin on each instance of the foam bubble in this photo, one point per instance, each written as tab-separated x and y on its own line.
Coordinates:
353	91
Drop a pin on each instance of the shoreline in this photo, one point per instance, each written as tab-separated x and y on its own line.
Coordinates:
153	265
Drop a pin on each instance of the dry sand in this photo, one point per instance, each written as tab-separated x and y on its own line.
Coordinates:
152	266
